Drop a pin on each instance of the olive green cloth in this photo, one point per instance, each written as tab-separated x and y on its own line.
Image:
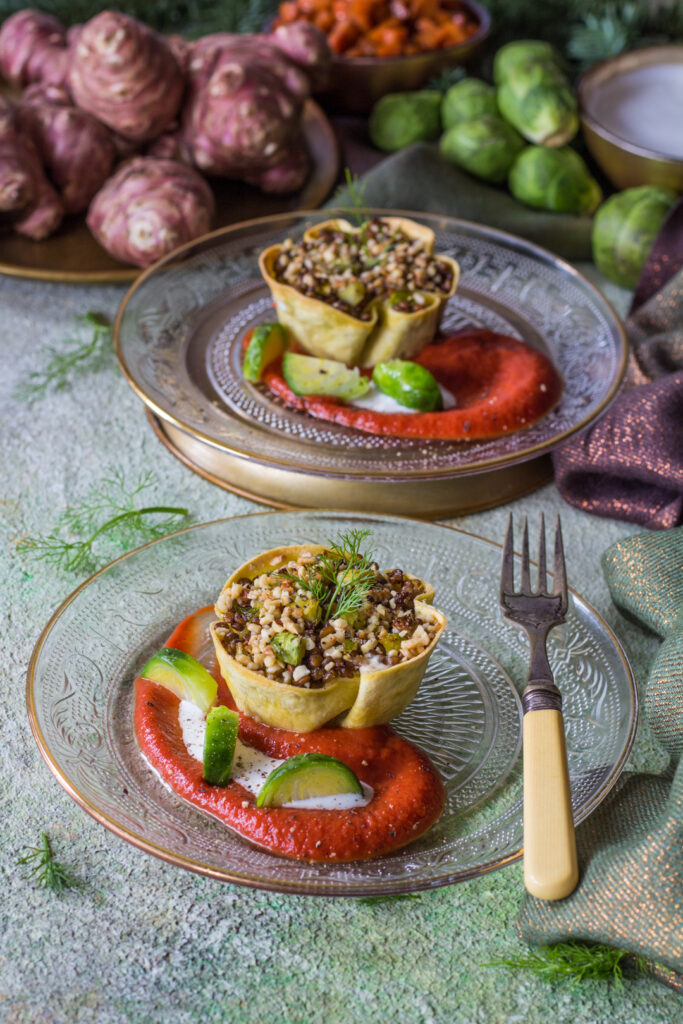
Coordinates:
630	893
417	178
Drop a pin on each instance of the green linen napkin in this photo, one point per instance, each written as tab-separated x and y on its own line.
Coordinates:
417	178
630	893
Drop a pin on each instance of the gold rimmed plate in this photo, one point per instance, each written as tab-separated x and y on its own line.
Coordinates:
466	716
72	255
179	332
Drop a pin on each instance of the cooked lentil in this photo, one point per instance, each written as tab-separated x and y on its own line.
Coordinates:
350	270
386	630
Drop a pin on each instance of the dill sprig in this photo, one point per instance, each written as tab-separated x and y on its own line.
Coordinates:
45	870
355	195
574	961
73	357
341	577
111	520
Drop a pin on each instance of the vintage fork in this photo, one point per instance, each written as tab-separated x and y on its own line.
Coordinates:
550	866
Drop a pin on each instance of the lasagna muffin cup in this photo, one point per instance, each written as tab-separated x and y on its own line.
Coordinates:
361	295
288	665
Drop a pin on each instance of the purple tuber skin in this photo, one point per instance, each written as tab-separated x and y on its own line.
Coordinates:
33	48
285	177
126	75
307	46
18	159
240	118
148	208
28	202
77	150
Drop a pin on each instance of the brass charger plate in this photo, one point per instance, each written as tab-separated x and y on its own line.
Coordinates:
72	255
466	716
178	337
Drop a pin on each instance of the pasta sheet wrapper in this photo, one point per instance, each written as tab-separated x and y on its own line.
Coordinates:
329	333
372	697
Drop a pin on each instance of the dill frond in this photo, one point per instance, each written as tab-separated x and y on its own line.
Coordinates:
573	961
45	870
75	356
111	521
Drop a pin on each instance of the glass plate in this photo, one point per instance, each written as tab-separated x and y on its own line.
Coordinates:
179	336
466	716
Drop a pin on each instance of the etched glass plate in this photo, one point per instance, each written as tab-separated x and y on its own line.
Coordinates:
466	716
179	341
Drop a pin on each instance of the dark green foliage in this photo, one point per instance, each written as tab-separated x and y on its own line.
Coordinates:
189	17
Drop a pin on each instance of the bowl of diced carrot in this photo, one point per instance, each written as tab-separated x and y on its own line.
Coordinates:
382	46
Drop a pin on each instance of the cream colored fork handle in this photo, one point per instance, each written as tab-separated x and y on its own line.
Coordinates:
550	868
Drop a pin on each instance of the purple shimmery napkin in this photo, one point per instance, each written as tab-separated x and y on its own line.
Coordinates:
629	465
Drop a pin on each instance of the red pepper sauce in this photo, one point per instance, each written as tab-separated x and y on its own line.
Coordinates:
408	792
499	384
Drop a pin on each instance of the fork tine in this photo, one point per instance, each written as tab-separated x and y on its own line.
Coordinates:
507	572
542	576
526	579
560	570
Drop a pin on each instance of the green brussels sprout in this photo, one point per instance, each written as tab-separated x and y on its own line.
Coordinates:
485	146
467	99
554	179
399	119
522	50
547	114
624	229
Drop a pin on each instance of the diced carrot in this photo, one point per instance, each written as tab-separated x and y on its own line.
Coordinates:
324	20
289	11
343	35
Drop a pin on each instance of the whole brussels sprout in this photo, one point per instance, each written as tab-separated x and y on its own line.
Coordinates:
534	94
401	118
624	229
519	52
467	99
485	146
554	179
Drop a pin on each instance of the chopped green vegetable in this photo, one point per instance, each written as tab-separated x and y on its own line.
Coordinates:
400	119
307	375
396	298
625	227
183	675
391	642
305	776
222	726
409	384
310	608
467	99
351	292
554	179
265	345
486	146
288	647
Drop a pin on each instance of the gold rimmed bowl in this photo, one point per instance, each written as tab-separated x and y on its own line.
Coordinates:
624	104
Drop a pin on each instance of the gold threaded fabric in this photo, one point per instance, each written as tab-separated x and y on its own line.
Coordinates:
630	893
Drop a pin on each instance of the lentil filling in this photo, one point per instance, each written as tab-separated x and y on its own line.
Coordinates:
350	270
274	625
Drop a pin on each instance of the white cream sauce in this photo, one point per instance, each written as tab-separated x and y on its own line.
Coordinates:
377	401
251	767
644	106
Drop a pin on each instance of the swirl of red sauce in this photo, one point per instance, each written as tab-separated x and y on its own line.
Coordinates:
408	792
499	384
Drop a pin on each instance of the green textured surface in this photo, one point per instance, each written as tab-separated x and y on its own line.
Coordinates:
146	943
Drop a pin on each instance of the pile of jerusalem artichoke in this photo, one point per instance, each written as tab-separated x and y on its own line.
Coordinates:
112	118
